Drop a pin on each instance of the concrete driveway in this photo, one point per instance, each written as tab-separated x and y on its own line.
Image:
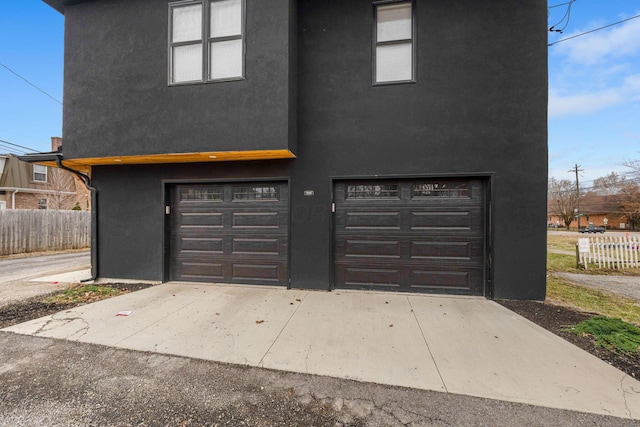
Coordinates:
469	346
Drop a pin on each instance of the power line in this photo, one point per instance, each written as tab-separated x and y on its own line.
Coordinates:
19	146
10	150
567	17
592	31
28	82
562	4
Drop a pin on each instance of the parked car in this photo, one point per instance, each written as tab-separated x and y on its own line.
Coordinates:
592	229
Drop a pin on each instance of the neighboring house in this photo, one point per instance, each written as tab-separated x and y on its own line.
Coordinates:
32	186
602	211
396	145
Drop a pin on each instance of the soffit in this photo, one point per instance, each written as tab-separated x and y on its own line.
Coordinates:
85	164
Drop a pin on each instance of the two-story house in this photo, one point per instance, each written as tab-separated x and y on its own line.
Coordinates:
390	145
33	186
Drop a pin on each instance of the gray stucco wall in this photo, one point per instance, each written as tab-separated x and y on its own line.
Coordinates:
117	101
478	108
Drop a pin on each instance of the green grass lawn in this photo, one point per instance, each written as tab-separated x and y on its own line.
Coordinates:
565	243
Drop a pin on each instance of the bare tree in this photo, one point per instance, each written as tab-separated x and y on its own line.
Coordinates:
608	185
629	202
562	199
60	189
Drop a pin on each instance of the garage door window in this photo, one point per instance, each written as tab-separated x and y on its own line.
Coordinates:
440	189
209	194
255	193
380	191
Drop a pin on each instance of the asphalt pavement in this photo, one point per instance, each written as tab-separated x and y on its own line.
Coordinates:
48	382
27	276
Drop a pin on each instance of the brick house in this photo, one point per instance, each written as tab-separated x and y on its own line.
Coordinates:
603	211
383	145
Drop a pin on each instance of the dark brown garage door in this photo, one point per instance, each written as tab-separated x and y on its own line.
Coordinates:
416	236
230	233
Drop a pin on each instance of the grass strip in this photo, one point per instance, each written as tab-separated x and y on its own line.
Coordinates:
84	294
562	292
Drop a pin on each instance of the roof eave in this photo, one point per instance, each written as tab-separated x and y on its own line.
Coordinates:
41	157
59	5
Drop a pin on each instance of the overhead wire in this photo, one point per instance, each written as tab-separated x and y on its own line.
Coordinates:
592	31
2	141
28	82
9	150
561	4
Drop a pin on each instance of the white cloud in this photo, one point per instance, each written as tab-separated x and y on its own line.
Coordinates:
618	41
573	105
590	102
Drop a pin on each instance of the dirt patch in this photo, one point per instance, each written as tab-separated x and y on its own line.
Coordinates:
36	307
557	319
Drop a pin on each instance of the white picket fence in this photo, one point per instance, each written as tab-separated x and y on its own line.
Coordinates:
43	230
616	252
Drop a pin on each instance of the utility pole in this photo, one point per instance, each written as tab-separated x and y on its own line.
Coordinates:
577	169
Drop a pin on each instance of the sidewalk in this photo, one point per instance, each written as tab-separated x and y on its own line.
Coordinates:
469	346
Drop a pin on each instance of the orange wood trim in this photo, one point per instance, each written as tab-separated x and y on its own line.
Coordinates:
84	164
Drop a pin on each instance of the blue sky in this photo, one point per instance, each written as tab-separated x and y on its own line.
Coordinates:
594	83
31	44
594	89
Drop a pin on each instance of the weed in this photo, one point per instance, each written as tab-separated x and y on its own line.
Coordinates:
84	294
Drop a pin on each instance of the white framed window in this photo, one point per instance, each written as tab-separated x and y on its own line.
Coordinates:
39	173
394	42
206	41
42	203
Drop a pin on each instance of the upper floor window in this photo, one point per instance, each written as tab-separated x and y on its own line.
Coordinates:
394	36
39	173
206	41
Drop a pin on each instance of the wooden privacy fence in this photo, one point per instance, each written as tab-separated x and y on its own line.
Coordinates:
43	230
609	251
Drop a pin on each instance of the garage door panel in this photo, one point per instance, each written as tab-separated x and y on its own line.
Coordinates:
236	233
201	244
406	235
201	219
246	271
255	246
445	280
256	220
201	271
373	220
370	276
372	248
448	220
440	279
440	249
